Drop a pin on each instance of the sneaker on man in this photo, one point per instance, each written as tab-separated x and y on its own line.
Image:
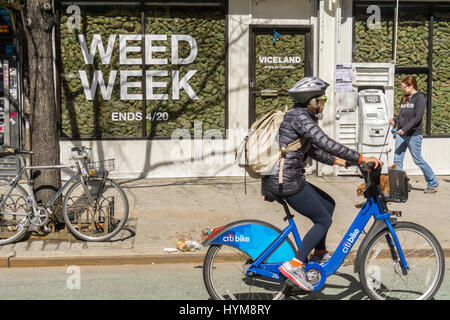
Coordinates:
320	258
296	275
431	190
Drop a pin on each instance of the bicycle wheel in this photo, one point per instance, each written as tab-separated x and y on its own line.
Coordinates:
14	213
97	217
225	278
382	277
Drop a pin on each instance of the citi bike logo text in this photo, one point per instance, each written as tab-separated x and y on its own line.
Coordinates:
349	242
235	238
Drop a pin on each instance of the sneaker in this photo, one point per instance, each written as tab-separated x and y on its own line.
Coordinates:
431	190
296	275
320	258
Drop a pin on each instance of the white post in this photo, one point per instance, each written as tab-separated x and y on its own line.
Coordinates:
396	32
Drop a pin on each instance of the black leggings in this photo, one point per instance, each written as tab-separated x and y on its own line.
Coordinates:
318	206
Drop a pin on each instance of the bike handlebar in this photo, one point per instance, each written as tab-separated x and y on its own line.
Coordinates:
368	168
371	176
80	153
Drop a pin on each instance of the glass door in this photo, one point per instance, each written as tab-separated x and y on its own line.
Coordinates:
279	57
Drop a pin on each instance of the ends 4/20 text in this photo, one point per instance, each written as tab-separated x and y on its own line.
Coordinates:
137	116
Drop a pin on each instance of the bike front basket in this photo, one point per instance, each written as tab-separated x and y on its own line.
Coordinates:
398	184
100	167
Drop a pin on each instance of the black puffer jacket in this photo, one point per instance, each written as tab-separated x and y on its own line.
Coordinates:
301	123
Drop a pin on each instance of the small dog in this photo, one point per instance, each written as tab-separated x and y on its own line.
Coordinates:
384	184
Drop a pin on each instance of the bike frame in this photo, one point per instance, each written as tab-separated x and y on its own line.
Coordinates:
31	192
372	208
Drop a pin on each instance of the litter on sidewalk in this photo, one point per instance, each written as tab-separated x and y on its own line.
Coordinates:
206	231
187	245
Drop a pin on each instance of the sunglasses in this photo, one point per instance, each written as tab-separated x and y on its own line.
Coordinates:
324	98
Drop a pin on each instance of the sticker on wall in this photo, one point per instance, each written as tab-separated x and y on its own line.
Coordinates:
275	36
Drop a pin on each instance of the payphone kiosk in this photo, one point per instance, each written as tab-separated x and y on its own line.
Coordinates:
10	124
373	124
10	113
362	115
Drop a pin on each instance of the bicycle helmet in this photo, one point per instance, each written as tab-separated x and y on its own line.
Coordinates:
307	88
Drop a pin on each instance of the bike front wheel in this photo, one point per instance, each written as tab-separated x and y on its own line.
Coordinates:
95	209
225	277
381	273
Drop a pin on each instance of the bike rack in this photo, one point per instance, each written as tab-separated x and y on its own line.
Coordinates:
19	202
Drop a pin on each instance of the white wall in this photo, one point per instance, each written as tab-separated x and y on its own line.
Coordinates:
436	152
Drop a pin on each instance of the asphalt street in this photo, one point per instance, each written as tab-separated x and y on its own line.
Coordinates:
150	282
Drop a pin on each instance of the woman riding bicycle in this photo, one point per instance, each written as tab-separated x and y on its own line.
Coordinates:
305	198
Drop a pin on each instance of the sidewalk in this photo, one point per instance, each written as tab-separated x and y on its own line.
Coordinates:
164	210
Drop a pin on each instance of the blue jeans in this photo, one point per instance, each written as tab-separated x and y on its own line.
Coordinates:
414	144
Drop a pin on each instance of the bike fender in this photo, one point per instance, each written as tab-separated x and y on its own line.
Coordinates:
253	237
377	227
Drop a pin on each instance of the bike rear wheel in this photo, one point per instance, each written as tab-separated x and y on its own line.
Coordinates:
95	210
14	214
381	273
225	277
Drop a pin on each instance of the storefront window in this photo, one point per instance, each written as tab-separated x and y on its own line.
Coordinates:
189	74
373	39
374	42
6	34
440	111
108	61
412	42
93	92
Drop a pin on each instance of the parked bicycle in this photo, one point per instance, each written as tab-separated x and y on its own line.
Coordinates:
396	259
95	208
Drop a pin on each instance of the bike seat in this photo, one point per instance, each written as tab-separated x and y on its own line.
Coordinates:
269	196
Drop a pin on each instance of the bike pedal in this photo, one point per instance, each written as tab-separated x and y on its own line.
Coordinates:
291	283
396	213
294	289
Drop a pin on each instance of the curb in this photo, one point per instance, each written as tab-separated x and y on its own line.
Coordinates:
27	262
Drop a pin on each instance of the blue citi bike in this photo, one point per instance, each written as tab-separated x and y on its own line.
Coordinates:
396	259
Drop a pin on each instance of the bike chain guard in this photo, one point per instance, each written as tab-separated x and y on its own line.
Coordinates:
316	275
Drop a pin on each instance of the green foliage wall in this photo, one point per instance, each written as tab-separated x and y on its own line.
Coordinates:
440	111
83	118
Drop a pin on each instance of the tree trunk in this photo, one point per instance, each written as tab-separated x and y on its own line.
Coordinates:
39	23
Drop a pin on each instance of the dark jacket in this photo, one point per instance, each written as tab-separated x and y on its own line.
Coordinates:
301	123
410	115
